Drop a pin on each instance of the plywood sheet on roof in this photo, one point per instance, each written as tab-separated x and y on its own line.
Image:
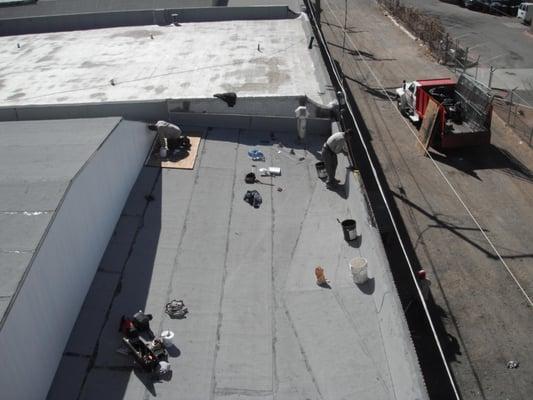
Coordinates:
183	163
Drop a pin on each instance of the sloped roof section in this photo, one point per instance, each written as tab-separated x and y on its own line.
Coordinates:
38	159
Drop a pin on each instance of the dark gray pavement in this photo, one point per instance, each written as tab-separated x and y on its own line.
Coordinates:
258	325
500	41
485	319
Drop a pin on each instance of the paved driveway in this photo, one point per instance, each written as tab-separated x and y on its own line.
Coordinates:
500	41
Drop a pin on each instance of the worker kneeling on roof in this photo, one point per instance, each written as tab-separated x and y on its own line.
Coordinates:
165	132
335	144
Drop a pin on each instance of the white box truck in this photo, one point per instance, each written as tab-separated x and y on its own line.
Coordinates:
525	11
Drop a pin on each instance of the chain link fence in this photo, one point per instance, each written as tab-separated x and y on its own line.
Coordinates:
430	30
516	115
449	52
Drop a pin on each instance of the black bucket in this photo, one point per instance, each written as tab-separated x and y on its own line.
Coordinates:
349	228
321	170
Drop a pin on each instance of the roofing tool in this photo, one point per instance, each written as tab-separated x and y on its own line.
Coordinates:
251	178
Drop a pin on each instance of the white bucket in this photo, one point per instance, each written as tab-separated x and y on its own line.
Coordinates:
167	337
359	269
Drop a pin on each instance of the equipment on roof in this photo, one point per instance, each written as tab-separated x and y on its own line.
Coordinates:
230	98
250	178
149	352
176	309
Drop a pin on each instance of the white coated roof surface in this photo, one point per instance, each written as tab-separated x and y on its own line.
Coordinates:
258	325
193	60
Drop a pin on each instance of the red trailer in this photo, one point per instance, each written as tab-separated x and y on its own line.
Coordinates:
451	114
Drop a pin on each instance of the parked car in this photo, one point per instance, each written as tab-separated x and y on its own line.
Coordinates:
504	7
525	13
473	4
479	5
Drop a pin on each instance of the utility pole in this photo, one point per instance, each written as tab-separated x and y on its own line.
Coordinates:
344	32
465	61
492	69
477	66
510	106
446	48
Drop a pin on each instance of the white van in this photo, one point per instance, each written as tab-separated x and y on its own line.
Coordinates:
525	11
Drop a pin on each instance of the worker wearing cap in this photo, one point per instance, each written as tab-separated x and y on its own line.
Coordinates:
165	130
335	144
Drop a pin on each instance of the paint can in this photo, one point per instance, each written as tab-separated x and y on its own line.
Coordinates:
167	337
359	270
321	170
349	228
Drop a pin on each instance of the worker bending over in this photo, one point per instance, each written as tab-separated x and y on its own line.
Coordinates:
335	144
165	130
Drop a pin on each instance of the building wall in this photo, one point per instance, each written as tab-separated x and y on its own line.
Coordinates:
45	310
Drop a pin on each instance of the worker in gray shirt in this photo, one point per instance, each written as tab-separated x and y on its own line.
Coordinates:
335	144
165	130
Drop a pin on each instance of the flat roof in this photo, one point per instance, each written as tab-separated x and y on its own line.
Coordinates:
38	159
56	7
193	60
258	325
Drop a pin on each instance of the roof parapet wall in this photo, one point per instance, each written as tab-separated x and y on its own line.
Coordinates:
248	112
161	17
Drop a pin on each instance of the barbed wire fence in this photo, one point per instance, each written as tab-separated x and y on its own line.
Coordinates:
516	112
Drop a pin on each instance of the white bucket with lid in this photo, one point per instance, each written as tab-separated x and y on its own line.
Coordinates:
167	337
359	269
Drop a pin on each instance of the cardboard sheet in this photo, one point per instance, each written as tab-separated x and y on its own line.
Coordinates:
184	163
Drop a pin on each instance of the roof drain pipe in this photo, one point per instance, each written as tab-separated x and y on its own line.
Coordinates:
339	82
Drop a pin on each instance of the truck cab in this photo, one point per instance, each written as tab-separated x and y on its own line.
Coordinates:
406	96
413	96
525	12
